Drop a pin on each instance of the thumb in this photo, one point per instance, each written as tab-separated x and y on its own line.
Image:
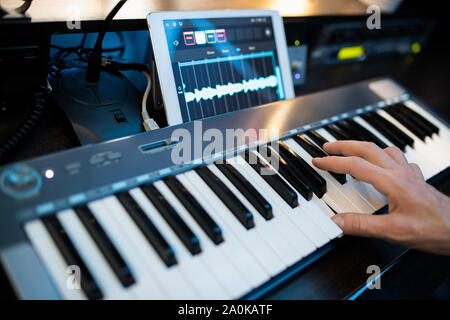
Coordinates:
363	225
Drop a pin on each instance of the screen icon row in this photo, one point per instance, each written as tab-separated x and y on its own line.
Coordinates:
202	37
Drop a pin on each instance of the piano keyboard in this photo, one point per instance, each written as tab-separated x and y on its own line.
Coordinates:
222	229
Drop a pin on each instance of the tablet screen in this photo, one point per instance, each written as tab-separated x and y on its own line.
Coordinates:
223	65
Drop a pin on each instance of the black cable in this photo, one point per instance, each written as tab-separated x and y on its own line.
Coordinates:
82	53
28	124
120	48
95	60
24	7
21	9
83	41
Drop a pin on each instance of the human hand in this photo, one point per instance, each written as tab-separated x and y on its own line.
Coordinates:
419	215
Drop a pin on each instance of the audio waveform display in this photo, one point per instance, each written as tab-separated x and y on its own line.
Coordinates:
230	89
229	83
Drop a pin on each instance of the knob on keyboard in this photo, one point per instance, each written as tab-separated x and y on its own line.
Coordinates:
20	181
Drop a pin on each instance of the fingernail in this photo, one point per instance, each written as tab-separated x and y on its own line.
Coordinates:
339	220
325	144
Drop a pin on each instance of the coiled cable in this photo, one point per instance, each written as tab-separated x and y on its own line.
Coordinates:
28	124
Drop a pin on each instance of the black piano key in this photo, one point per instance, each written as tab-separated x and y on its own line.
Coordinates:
401	110
293	176
338	132
194	208
317	138
419	117
316	152
118	265
72	257
402	135
184	233
386	128
368	136
274	180
247	190
148	229
309	146
369	118
242	214
352	133
316	181
406	122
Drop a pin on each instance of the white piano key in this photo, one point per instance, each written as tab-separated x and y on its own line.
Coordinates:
332	204
356	190
302	217
52	259
442	139
410	154
443	129
146	286
241	257
315	210
214	255
192	267
325	208
432	159
273	238
302	234
342	194
249	238
92	256
366	190
441	147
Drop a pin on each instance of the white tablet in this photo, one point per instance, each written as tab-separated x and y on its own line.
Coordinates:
214	62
